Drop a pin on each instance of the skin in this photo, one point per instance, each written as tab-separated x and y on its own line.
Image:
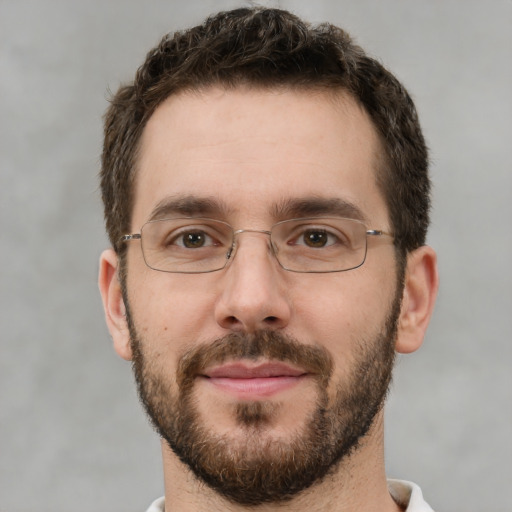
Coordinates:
251	150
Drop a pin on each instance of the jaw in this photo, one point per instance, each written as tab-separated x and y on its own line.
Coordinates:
353	483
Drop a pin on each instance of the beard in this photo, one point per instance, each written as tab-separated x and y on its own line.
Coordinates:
258	467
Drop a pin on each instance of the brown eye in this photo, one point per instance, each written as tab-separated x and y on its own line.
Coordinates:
193	239
316	238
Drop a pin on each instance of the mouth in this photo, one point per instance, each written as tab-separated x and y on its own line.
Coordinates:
253	381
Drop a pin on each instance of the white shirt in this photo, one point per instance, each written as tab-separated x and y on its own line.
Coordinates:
406	494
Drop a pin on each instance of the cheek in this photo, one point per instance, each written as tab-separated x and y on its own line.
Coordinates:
169	311
344	309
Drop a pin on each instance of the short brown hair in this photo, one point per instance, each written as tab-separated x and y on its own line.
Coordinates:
270	48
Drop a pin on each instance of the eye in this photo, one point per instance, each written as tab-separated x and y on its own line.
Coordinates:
192	239
317	238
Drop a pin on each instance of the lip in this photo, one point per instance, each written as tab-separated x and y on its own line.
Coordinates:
247	381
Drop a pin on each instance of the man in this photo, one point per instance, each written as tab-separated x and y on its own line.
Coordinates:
266	196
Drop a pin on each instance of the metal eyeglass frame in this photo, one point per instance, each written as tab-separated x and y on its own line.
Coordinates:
232	249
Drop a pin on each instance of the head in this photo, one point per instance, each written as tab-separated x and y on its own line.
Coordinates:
260	380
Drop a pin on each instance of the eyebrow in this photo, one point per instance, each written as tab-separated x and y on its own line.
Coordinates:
189	206
316	206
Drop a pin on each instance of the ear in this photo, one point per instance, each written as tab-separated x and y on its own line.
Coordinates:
419	296
113	303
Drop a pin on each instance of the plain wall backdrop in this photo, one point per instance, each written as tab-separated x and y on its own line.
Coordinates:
72	434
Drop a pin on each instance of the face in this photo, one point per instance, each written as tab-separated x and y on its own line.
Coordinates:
255	376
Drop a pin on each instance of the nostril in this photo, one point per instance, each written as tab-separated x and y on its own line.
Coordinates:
271	319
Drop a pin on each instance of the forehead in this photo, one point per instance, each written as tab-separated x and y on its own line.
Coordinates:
250	150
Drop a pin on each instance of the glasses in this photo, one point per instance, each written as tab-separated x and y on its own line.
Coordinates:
197	245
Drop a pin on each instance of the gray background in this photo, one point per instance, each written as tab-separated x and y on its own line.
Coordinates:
72	435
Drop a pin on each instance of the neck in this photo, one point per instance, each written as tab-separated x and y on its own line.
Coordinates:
357	483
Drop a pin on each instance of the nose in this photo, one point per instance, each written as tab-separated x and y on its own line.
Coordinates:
253	294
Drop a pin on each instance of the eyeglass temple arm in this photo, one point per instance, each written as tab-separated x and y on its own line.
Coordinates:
127	238
378	232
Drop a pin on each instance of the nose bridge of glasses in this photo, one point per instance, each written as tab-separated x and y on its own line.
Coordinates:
238	232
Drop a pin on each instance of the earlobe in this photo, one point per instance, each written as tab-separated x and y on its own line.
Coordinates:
113	303
419	295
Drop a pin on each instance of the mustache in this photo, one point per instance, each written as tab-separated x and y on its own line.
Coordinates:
271	345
